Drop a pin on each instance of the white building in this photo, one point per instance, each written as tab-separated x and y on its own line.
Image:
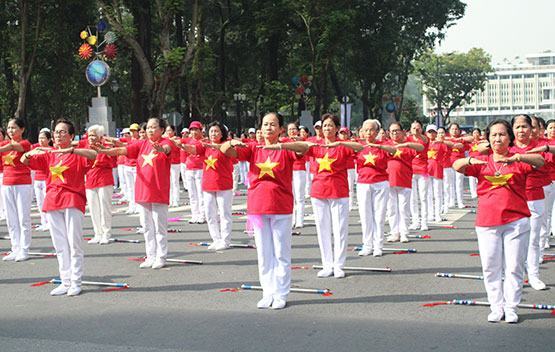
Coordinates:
514	88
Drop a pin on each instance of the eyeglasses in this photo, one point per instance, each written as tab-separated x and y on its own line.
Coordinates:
61	132
394	131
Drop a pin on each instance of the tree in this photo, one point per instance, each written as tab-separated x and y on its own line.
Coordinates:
450	80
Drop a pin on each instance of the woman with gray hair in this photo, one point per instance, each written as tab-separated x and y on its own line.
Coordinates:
99	186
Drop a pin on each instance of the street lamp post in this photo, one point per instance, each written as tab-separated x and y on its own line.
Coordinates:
239	98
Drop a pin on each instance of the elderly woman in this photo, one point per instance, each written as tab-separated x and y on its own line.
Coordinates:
99	187
270	206
502	219
65	201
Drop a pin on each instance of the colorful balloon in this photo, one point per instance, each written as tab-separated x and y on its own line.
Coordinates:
110	37
85	51
110	51
83	35
91	40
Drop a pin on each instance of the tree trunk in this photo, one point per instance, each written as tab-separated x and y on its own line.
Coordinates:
12	98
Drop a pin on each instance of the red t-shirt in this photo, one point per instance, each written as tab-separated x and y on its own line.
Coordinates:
270	179
194	161
40	175
372	165
313	164
420	161
175	154
551	158
182	153
218	169
128	160
538	178
100	174
65	184
458	153
153	172
399	167
437	152
300	163
16	173
501	199
473	149
330	179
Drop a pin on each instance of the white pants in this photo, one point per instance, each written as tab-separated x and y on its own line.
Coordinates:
549	191
552	215
458	189
100	206
243	172
174	184
194	183
40	193
435	198
309	177
130	178
537	208
121	180
332	215
503	251
272	235
299	187
182	170
156	230
17	199
473	184
399	198
2	206
351	178
448	190
66	230
218	215
371	207
419	192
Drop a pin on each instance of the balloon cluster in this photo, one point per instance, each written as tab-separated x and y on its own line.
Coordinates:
301	84
105	50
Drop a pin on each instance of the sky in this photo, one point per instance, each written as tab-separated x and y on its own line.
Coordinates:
503	28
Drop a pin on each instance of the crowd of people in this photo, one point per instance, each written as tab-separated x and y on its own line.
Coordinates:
406	177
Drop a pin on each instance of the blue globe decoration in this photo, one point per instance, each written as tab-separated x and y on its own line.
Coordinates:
390	107
97	72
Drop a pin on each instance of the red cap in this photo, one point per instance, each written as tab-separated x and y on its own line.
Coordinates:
344	129
195	124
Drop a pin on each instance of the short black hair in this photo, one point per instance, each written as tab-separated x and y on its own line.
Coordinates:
70	126
334	118
508	127
161	122
222	128
525	116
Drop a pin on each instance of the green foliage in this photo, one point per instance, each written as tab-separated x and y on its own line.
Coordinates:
451	79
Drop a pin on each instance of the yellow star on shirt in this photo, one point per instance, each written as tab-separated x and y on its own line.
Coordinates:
325	163
9	158
398	153
474	148
266	168
498	181
57	171
432	154
370	159
147	158
210	162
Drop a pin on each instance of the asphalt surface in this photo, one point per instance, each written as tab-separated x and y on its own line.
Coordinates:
182	307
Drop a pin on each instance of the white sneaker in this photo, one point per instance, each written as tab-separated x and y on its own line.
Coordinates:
338	273
414	226
22	257
265	302
94	240
377	253
424	227
147	263
536	284
59	291
221	247
364	252
212	245
9	257
140	230
325	273
278	303
495	317
159	264
404	238
393	238
511	317
104	240
74	290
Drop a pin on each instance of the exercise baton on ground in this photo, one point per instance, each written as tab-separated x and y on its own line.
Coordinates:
184	261
460	276
292	289
95	283
356	268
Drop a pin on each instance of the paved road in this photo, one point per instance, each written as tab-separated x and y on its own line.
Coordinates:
181	307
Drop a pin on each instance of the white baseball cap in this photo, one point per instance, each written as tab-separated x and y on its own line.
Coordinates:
318	123
126	130
431	127
252	130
